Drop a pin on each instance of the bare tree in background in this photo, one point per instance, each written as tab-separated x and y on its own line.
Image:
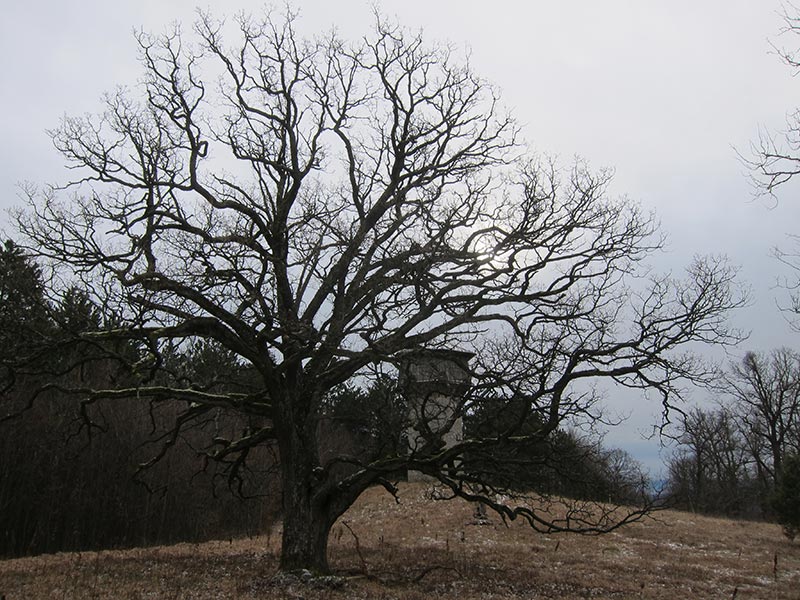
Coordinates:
325	207
774	160
766	389
731	460
709	472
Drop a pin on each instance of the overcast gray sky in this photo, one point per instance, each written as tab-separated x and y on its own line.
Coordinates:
660	91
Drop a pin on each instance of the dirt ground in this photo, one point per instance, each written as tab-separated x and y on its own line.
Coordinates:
421	548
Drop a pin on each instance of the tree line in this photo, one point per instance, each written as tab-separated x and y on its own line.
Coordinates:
72	472
740	457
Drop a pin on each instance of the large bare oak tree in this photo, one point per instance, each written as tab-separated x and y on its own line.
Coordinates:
323	208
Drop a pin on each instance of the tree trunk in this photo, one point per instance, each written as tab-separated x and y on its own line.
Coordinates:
312	497
307	519
305	535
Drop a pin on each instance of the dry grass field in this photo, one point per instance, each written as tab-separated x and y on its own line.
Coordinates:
421	549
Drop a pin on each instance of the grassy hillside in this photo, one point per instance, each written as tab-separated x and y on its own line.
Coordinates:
421	548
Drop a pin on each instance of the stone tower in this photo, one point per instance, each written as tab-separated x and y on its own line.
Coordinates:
434	383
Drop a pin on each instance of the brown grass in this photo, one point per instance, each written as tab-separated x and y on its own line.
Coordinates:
421	549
